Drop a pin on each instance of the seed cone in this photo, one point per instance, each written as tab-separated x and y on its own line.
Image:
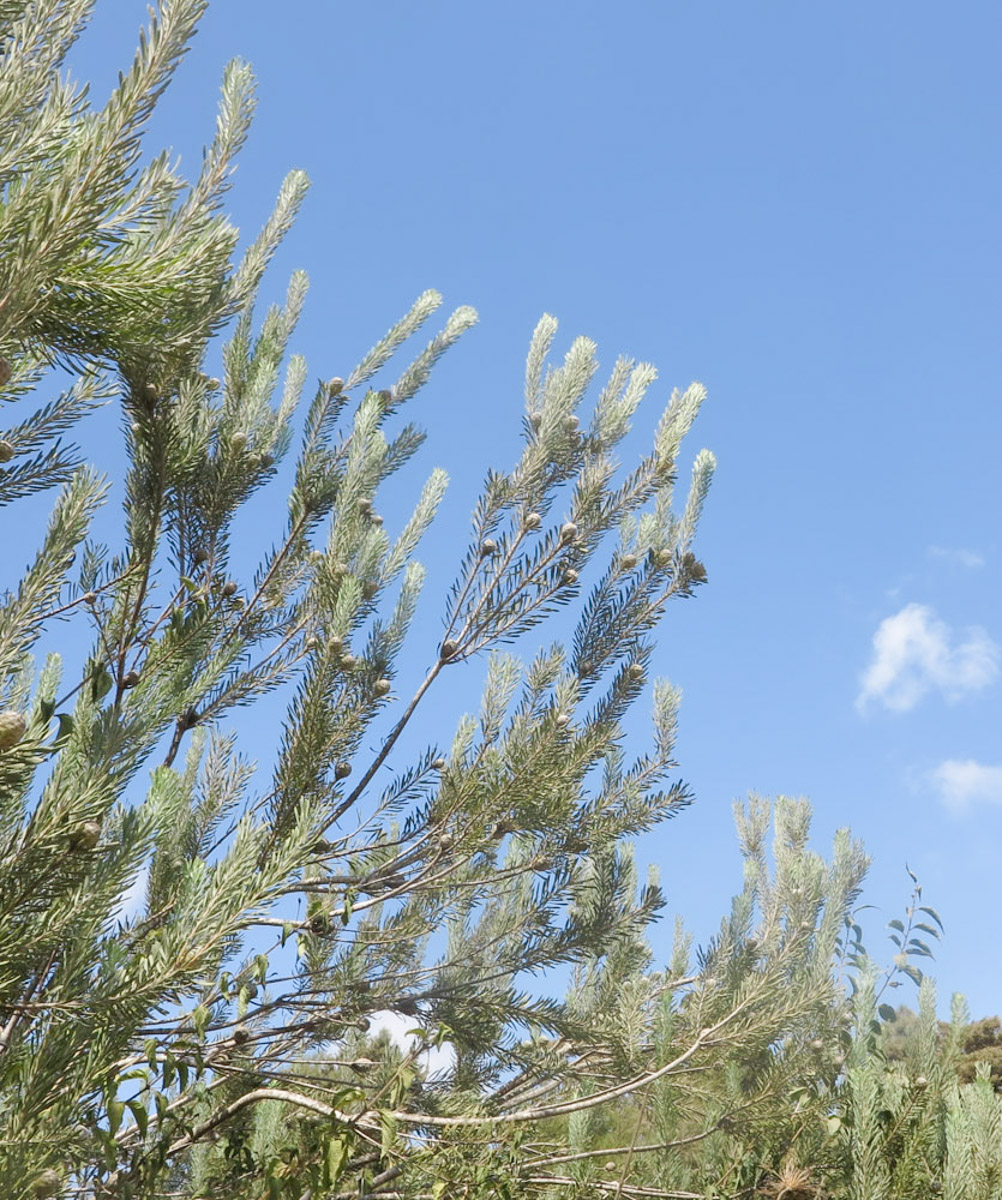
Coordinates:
12	728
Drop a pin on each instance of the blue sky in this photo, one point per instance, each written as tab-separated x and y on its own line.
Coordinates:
796	204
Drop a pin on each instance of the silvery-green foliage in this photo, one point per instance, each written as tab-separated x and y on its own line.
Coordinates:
194	947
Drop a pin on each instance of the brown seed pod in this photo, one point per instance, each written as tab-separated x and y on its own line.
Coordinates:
369	589
635	671
229	588
570	423
386	395
89	598
488	547
241	1035
6	451
562	720
130	679
533	521
238	440
312	643
342	770
570	576
376	519
335	385
921	1082
438	764
6	370
365	506
450	648
48	1183
12	728
628	562
818	1044
336	645
349	662
382	687
535	420
568	531
86	836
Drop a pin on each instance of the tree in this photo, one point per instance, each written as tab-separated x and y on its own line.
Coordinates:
225	1039
131	1041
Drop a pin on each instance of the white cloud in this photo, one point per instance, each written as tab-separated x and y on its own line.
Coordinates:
962	782
960	557
437	1058
134	897
914	653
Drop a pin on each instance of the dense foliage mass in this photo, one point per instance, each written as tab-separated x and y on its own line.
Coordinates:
200	959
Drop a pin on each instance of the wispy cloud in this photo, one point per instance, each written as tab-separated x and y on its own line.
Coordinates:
960	557
915	653
963	782
433	1060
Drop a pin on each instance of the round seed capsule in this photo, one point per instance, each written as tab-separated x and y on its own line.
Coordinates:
533	521
85	836
342	770
6	451
12	728
568	531
628	562
450	648
382	687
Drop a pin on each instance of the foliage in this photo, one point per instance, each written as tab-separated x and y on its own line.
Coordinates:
179	1044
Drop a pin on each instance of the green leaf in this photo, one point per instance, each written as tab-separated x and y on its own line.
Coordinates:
887	1012
338	1152
200	1020
115	1110
931	912
896	924
101	684
142	1117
